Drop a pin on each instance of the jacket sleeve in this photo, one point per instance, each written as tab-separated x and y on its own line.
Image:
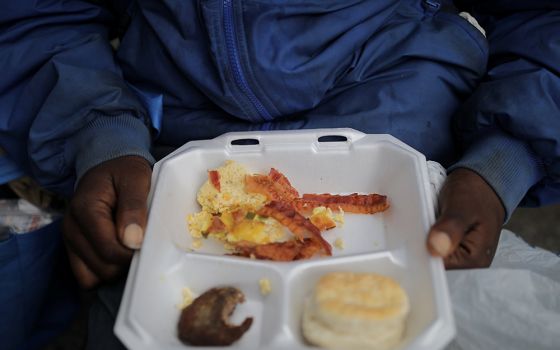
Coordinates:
65	106
510	127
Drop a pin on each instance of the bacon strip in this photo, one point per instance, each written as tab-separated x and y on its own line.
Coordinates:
299	225
238	215
352	203
275	186
214	177
279	251
309	248
281	181
216	226
260	184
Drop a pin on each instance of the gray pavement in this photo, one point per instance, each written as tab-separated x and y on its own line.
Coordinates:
538	226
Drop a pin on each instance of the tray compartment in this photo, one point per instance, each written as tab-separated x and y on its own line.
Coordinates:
160	294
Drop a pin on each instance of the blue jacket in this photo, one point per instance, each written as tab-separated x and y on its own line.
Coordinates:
190	70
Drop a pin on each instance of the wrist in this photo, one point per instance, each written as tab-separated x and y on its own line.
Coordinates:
106	138
506	164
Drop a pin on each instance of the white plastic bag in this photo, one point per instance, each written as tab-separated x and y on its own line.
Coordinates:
19	216
514	304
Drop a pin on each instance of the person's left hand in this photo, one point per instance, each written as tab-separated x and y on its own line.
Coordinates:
467	231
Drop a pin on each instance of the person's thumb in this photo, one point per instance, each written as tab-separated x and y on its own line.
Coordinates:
446	234
132	207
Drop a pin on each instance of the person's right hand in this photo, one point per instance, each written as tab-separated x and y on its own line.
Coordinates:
106	219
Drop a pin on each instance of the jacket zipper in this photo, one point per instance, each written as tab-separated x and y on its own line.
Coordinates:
233	58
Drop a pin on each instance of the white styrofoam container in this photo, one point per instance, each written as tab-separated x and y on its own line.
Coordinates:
390	243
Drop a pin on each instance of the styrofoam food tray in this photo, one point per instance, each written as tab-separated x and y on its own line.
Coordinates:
390	243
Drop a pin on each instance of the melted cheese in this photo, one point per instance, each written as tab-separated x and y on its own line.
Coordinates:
248	230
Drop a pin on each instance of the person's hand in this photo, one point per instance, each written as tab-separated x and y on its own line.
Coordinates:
467	231
106	219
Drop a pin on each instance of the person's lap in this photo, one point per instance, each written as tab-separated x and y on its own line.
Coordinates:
102	316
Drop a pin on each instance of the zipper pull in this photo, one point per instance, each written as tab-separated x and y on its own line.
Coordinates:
431	6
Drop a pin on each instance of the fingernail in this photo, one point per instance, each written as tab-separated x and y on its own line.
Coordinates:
133	236
441	243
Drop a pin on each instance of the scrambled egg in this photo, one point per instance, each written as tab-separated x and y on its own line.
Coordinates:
232	193
265	286
339	243
224	203
199	223
186	298
339	217
196	243
325	219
